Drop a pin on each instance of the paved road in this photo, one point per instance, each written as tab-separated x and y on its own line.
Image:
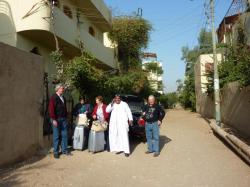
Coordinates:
191	156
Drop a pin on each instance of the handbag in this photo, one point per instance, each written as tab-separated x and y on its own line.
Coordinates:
82	120
99	126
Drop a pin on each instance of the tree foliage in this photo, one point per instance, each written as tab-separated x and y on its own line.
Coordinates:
187	96
131	33
190	56
154	67
168	100
56	58
83	75
236	66
90	81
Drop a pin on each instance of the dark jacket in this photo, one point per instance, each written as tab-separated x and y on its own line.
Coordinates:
153	113
57	109
82	108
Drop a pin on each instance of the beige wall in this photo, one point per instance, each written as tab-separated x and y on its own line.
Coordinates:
235	107
201	77
21	94
8	32
38	29
235	103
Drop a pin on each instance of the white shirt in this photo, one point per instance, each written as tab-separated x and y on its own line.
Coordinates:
61	97
99	113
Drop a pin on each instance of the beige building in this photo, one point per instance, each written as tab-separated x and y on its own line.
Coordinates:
235	104
154	77
30	25
202	68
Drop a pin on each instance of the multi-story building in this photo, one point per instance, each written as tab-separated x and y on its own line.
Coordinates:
32	25
155	71
35	26
235	26
202	69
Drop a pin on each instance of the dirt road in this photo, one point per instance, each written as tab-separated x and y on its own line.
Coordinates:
190	156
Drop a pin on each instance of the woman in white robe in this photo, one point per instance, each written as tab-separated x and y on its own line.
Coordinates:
120	119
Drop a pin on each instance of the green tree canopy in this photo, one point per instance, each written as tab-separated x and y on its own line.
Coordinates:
190	57
91	81
154	67
132	35
236	66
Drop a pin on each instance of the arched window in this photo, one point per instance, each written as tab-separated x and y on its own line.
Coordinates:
91	31
67	11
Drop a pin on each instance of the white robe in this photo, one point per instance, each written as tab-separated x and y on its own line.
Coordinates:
118	127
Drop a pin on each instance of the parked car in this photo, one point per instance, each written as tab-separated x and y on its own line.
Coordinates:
135	104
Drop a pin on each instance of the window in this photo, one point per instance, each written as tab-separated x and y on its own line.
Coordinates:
209	67
35	50
91	31
67	11
55	2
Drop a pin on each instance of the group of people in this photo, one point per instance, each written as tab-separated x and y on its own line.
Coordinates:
117	114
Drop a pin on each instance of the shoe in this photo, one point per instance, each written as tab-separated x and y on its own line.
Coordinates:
56	156
68	154
148	152
156	154
126	155
120	152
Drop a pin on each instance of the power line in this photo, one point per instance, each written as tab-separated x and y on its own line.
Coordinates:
182	26
171	37
203	21
182	19
170	29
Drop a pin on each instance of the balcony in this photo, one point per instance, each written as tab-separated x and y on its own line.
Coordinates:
38	28
102	15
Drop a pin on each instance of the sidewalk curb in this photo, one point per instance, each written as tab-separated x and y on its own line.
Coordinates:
238	145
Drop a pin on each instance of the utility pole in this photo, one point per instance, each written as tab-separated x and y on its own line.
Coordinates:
216	74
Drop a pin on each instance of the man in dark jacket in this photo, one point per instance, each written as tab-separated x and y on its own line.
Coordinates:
58	116
153	114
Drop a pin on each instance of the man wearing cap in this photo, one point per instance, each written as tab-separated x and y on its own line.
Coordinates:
58	116
120	119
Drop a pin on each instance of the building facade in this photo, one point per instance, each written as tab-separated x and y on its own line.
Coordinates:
32	25
202	68
155	71
35	26
235	26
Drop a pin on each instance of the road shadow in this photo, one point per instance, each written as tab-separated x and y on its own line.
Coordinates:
226	144
9	176
164	140
135	141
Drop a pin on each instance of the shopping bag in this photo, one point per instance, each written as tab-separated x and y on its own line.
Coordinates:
82	120
99	126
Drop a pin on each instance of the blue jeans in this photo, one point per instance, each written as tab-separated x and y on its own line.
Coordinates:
152	135
61	131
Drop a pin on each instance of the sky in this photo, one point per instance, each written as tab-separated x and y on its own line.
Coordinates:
176	23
